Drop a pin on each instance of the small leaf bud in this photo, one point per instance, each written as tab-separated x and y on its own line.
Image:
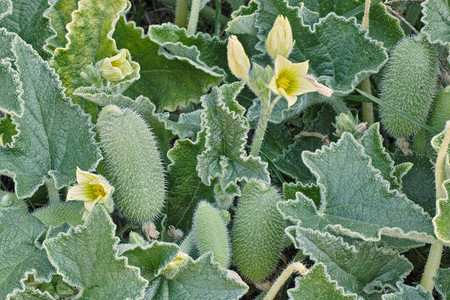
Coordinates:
238	61
279	40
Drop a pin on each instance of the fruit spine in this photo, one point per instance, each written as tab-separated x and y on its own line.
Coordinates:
258	231
133	163
409	84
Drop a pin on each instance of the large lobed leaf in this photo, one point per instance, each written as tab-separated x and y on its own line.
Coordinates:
54	136
436	17
349	265
442	282
28	20
355	199
408	293
60	15
442	219
226	135
167	80
20	253
87	258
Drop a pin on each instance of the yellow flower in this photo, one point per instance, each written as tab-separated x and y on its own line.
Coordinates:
279	40
238	61
91	189
178	261
289	80
117	67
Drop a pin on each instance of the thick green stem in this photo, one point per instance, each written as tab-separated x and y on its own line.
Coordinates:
434	257
367	107
193	17
53	193
296	266
266	110
181	13
217	24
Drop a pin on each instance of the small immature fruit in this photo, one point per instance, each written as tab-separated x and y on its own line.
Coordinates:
441	110
409	84
211	233
133	163
257	231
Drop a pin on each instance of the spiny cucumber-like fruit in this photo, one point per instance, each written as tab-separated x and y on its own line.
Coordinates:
258	231
440	113
211	233
409	84
133	163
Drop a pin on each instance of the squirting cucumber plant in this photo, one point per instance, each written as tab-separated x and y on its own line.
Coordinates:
245	149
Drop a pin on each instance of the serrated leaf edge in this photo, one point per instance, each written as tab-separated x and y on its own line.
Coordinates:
6	62
424	30
439	213
80	229
8	11
393	231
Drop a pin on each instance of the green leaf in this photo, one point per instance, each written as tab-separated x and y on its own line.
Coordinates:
12	102
202	279
54	136
185	188
383	26
31	294
207	50
311	191
372	141
5	8
7	129
64	212
187	126
28	20
442	283
366	208
441	221
317	284
161	71
348	265
326	46
409	293
20	252
151	259
87	258
226	129
436	20
89	41
60	15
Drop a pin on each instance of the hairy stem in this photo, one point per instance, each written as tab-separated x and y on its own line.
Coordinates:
266	110
53	193
181	13
193	17
434	257
296	266
217	24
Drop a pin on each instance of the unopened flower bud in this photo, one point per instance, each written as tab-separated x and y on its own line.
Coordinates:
238	61
346	122
321	89
279	40
117	67
178	261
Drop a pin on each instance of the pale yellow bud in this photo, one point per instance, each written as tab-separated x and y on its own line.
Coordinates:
321	89
238	61
279	40
117	67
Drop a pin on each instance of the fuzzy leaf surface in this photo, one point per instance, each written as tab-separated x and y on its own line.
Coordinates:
335	41
20	253
442	283
185	188
87	258
89	41
317	284
366	208
348	265
12	102
167	80
151	259
436	20
54	136
31	294
202	279
5	8
60	15
409	293
442	219
226	136
30	23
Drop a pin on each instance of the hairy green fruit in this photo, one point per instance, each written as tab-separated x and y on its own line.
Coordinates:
133	163
211	233
441	110
409	85
257	232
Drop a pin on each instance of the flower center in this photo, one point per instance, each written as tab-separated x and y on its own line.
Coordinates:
283	82
98	190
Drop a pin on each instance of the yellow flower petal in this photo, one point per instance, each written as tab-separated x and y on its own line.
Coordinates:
305	87
300	68
84	177
281	63
89	205
81	192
